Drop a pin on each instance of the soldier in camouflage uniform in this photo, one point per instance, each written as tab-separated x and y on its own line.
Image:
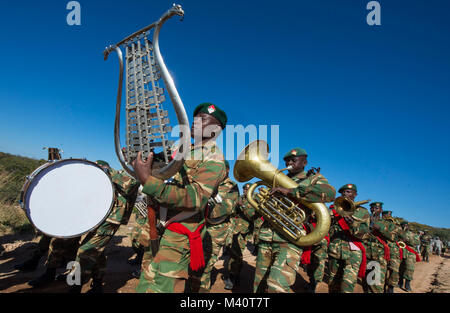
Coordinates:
409	256
241	229
346	252
191	188
91	254
393	265
278	259
218	225
377	250
138	239
425	246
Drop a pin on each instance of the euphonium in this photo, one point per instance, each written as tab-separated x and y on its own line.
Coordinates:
346	207
283	214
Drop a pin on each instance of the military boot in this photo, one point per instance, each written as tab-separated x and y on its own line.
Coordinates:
312	286
44	279
400	283
407	285
96	286
30	264
228	284
390	289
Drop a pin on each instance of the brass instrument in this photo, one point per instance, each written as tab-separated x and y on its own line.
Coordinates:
283	214
401	244
346	207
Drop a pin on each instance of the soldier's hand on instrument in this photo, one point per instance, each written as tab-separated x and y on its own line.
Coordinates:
143	168
281	190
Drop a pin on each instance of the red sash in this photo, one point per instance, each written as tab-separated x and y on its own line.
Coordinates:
401	250
306	254
343	224
195	243
387	251
413	251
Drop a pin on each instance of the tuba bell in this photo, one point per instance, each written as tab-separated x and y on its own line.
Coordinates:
283	214
147	124
346	207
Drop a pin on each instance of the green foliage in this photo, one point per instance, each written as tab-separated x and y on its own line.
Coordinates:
13	170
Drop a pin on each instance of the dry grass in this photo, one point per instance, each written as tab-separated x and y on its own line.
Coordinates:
13	219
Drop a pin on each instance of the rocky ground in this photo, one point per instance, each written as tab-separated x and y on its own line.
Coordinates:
432	277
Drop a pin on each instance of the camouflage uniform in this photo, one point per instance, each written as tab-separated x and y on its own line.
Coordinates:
409	259
425	244
91	254
241	229
393	265
190	190
217	229
138	238
61	251
375	252
278	259
345	258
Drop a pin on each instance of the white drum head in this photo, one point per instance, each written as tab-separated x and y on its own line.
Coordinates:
69	198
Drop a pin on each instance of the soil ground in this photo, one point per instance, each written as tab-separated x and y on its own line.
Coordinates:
431	277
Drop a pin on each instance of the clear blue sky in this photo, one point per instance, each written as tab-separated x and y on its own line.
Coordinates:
370	104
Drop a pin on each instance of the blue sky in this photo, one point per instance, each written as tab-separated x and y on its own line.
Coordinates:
370	104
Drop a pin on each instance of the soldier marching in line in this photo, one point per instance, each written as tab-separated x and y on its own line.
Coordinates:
408	255
425	246
377	250
181	249
347	254
278	259
219	210
393	265
240	229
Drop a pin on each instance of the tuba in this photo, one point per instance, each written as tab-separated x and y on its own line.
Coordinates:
147	123
283	214
346	207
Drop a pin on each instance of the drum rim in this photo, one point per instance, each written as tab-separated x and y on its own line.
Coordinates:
36	172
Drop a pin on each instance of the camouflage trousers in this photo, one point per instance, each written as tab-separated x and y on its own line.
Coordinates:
407	265
276	266
214	240
61	251
425	252
344	273
319	256
392	275
91	254
168	271
138	236
376	268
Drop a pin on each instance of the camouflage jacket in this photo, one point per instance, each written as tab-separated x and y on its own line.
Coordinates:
241	221
395	231
192	186
340	246
229	194
313	188
425	240
126	189
409	238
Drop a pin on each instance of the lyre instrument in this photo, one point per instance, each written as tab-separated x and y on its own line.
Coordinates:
146	121
283	214
346	207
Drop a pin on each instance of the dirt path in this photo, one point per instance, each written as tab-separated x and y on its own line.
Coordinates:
428	277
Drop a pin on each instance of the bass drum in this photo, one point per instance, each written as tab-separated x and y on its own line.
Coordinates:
67	198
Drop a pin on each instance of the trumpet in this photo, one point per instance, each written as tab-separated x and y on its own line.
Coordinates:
346	207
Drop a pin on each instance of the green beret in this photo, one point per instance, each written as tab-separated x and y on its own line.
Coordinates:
380	204
227	164
213	110
386	212
101	162
294	153
348	186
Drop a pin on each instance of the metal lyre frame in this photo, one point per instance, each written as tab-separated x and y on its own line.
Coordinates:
146	121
